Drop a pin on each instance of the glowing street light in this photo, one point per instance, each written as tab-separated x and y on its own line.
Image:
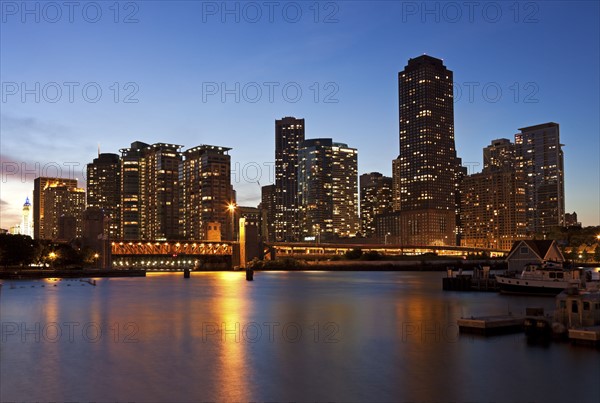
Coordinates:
231	208
52	256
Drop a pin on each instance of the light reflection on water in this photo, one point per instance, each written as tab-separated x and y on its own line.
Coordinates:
285	336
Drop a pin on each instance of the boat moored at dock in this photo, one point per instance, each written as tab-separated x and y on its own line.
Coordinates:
548	278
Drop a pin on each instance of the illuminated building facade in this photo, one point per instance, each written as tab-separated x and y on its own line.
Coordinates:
327	190
375	198
104	189
206	191
493	201
160	192
40	185
150	191
131	182
540	158
427	169
289	133
26	227
63	212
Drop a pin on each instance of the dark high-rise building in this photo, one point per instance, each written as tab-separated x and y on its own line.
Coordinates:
40	185
426	171
206	191
289	133
375	198
267	213
540	158
327	189
131	182
104	189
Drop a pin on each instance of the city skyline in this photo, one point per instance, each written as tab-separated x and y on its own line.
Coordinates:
364	115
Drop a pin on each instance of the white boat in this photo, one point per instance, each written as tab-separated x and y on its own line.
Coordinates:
548	278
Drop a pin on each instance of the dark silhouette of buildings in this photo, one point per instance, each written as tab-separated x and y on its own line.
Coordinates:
104	189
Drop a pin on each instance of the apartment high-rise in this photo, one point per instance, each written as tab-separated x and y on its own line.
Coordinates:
427	169
493	201
375	199
104	189
205	183
540	157
63	212
160	192
150	191
131	185
327	189
289	133
40	185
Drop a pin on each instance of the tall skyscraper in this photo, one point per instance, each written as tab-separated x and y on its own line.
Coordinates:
160	192
150	191
131	181
63	212
493	201
327	189
206	191
540	158
289	133
104	189
40	185
375	198
427	169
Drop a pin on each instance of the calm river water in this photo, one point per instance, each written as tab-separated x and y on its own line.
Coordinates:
301	336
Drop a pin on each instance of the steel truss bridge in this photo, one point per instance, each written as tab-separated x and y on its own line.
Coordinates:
172	255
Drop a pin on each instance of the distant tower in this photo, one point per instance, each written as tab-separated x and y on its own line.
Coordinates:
26	222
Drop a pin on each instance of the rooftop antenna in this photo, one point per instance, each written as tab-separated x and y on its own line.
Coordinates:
98	149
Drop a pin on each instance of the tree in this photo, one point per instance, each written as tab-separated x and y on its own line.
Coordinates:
597	253
16	250
355	253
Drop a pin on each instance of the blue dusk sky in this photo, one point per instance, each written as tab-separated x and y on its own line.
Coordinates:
191	72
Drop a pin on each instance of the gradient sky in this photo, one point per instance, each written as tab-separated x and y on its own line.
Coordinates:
543	57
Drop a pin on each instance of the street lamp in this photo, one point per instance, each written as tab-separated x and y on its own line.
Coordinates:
52	257
231	209
385	238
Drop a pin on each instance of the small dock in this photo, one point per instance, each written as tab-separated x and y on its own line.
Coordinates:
481	280
488	325
585	335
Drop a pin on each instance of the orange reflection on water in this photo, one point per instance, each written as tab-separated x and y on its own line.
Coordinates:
232	308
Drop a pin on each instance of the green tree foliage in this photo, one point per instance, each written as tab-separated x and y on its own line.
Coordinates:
16	250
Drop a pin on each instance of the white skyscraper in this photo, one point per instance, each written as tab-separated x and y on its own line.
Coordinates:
26	221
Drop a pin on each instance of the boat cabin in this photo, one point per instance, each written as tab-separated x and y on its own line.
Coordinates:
578	308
